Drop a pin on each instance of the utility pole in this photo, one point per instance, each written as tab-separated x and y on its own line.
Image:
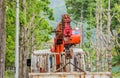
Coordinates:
17	41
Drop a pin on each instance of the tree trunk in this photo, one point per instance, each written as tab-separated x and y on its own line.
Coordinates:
108	39
21	51
2	38
23	45
101	39
97	35
81	29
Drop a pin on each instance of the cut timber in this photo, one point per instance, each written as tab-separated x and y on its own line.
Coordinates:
43	65
45	61
71	75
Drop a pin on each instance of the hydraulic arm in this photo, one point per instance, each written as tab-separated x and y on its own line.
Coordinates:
64	38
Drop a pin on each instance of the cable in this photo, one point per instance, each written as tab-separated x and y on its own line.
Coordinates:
67	64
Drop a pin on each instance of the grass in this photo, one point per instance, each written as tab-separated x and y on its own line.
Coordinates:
116	75
116	71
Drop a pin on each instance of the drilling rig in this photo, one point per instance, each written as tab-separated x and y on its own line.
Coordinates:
64	39
62	60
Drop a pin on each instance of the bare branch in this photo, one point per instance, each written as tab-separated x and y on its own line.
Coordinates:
113	15
105	40
117	42
31	20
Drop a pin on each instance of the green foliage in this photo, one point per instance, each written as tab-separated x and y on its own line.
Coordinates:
116	26
116	72
40	25
116	75
88	9
116	69
10	51
41	33
9	74
116	60
10	31
39	9
83	11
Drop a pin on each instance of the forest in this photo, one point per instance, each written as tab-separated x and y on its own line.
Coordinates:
98	21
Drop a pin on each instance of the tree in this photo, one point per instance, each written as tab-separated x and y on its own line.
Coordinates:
34	27
109	47
33	23
2	38
23	46
105	21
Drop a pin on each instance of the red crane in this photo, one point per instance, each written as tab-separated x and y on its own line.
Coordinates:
64	39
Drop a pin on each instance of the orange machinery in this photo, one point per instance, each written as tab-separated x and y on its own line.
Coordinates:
64	39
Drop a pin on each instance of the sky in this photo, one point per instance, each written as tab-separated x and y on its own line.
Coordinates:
59	9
